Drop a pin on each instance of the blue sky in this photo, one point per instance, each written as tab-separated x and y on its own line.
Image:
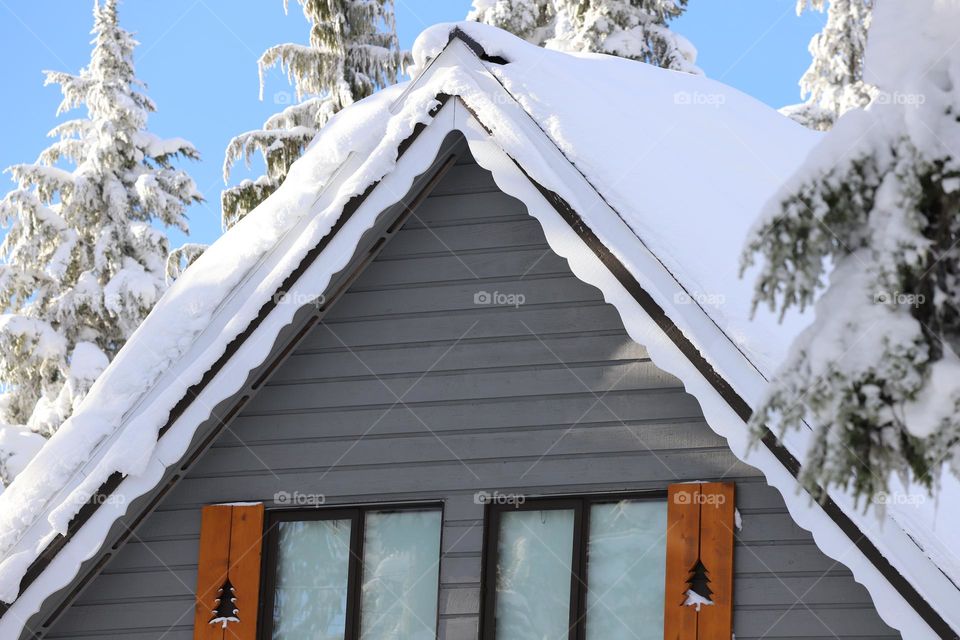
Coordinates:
198	58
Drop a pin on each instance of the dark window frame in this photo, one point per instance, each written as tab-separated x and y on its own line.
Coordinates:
580	504
356	514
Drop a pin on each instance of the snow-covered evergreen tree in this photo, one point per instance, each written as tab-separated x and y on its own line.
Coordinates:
353	50
834	82
868	230
635	29
182	257
532	20
83	262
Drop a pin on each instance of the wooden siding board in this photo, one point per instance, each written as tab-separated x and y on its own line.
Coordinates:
450	416
524	351
404	273
424	445
805	621
157	582
414	302
523	233
461	386
455	207
783	557
494	322
620	469
125	619
458	295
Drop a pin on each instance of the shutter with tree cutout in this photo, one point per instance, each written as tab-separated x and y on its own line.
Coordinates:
698	603
228	574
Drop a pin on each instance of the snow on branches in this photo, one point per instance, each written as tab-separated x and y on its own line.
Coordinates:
83	263
353	51
868	232
532	20
834	82
635	29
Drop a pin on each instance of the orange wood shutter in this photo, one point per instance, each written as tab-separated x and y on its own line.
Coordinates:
230	548
700	523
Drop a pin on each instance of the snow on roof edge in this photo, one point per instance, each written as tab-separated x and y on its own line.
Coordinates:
183	323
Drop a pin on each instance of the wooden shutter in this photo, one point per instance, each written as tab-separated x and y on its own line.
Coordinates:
230	548
700	525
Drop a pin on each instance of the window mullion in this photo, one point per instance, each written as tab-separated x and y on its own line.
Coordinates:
352	623
578	574
585	571
488	582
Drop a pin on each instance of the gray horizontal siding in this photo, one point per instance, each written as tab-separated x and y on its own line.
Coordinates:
410	391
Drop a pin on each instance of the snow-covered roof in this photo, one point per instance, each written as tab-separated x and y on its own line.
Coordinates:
668	170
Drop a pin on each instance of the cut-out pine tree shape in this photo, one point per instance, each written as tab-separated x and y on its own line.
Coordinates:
698	587
225	610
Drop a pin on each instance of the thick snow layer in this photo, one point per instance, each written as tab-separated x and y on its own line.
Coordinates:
685	162
90	446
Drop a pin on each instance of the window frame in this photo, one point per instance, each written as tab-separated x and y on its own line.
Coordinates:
580	504
356	514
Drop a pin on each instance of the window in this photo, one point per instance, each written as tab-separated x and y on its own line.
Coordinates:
585	568
343	574
595	567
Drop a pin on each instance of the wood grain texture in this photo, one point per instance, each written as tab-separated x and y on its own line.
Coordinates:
716	552
683	533
212	568
230	547
246	542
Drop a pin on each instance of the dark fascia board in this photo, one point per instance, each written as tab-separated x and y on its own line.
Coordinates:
649	305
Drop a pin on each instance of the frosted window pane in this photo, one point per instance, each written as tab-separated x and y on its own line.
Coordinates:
626	559
533	574
313	558
401	564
